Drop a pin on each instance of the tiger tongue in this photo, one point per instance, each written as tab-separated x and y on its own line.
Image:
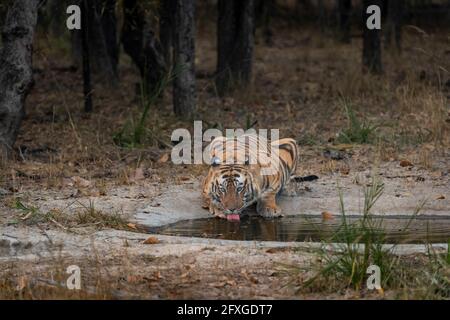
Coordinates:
233	217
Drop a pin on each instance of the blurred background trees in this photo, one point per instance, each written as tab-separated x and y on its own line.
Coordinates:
160	35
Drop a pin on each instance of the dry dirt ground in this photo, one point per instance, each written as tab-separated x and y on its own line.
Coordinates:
70	196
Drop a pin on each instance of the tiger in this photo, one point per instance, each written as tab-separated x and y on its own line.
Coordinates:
232	186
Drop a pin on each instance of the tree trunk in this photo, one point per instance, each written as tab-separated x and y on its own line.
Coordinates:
394	23
56	9
321	15
87	87
371	42
102	39
345	12
235	42
109	26
166	22
140	43
184	90
263	15
16	74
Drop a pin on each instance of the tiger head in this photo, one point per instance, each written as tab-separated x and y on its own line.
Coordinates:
232	188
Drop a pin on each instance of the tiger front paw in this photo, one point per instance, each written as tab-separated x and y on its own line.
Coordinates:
269	212
216	212
206	203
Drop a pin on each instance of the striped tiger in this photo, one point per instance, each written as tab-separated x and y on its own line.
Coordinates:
252	171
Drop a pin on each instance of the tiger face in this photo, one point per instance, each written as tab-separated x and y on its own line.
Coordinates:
232	190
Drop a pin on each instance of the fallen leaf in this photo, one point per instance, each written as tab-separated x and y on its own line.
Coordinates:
440	197
231	283
154	277
151	240
94	193
22	283
164	158
80	182
326	215
406	163
138	174
132	226
133	279
275	250
27	216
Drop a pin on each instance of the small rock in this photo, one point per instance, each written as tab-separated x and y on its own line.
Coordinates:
334	154
4	192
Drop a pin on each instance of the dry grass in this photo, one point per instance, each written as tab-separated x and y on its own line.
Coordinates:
298	87
81	217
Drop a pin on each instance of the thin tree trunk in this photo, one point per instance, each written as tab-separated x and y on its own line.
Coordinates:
263	16
235	41
56	9
166	22
371	42
321	15
394	23
109	26
140	43
103	42
87	87
102	37
16	75
345	11
184	90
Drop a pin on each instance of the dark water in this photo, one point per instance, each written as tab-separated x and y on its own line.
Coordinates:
303	228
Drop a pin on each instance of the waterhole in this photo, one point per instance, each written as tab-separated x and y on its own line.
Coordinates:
307	228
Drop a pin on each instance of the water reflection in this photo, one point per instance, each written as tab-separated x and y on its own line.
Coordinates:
303	228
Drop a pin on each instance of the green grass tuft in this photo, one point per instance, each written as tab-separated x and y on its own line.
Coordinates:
357	131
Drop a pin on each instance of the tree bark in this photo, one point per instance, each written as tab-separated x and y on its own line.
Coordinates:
345	11
235	42
371	42
108	21
394	23
166	23
184	89
16	75
102	38
321	15
263	16
140	43
56	10
87	87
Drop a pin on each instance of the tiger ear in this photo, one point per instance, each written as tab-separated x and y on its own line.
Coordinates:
247	161
215	161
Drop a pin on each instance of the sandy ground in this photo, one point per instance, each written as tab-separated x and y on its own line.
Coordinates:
69	164
176	267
